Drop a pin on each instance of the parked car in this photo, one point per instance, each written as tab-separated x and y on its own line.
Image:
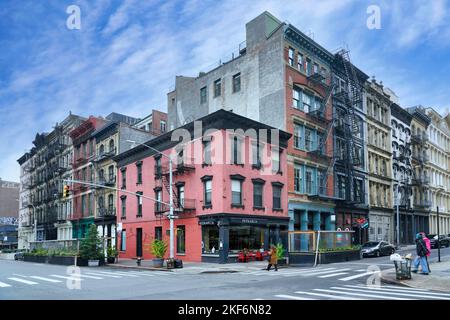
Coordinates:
443	240
18	255
377	248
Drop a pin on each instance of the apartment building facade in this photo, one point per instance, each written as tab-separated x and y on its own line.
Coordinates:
421	176
228	197
381	214
83	209
438	168
155	123
402	172
26	217
111	139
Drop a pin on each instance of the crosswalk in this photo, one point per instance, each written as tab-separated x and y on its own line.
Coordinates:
341	274
32	280
362	292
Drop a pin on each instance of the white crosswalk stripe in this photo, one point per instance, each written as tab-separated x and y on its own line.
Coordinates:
323	272
23	281
143	273
45	279
66	277
329	296
293	297
443	296
359	275
117	273
89	277
362	294
103	275
4	285
333	275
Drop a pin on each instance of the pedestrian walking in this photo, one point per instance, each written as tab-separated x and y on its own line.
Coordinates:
428	244
421	249
273	260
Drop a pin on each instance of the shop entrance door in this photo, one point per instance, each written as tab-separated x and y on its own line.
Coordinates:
139	242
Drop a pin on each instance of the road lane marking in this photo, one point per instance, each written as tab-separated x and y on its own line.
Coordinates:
44	279
333	275
90	277
329	296
324	272
142	274
293	297
4	285
389	293
359	275
403	288
23	281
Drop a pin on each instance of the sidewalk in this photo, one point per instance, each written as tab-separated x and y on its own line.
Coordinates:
438	279
195	267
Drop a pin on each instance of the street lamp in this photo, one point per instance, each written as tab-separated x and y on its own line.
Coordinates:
170	193
438	223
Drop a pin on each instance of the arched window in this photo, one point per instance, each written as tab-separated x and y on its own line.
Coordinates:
111	145
101	174
102	149
101	202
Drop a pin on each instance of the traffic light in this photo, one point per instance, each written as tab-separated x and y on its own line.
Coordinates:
66	191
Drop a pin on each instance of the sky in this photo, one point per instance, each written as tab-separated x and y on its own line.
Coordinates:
126	54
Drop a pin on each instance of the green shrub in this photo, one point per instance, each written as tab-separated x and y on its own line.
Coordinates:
90	247
159	248
350	248
280	251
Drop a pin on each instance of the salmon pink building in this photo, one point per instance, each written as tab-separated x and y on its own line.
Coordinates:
229	189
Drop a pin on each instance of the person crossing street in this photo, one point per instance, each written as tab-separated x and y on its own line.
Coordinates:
273	260
422	251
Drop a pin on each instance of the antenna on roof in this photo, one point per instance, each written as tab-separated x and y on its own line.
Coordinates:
311	34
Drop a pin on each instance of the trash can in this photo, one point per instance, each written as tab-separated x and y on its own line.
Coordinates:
178	263
403	269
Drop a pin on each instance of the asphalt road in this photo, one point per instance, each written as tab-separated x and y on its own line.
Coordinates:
350	281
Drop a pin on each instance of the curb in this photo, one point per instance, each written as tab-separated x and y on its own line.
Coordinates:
121	266
405	284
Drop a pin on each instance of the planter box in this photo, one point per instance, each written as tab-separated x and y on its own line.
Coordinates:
35	259
308	258
158	263
62	260
93	263
81	262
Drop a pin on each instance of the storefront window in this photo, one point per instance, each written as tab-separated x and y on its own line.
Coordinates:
246	237
210	239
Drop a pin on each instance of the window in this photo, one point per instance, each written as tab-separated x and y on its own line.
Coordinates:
203	95
180	193
307	102
276	196
298	179
158	204
139	173
162	126
83	204
207	185
308	66
124	178
321	181
291	56
83	174
139	204
123	240
308	139
296	95
300	62
341	185
258	194
217	87
237	82
123	201
111	174
207	152
276	160
297	136
111	146
316	68
236	192
358	190
237	146
181	238
101	149
309	181
320	143
110	203
158	233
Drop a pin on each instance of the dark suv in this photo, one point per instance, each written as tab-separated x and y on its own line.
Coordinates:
444	241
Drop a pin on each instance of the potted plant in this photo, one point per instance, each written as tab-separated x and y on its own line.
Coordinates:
90	247
112	254
280	252
158	249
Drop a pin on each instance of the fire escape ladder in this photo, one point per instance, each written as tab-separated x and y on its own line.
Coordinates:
165	182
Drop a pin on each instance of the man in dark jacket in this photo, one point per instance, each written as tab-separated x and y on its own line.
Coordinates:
421	249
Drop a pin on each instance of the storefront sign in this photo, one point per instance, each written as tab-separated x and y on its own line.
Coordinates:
207	222
250	221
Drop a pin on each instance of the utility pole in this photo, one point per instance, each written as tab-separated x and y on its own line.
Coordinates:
398	218
438	232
